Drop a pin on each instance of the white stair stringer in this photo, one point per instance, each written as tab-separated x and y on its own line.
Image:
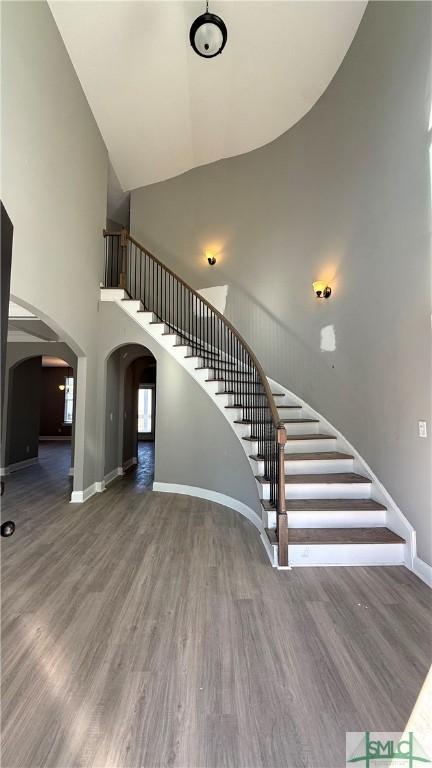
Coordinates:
347	555
391	517
316	429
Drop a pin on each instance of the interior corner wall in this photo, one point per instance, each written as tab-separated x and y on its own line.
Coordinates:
343	196
54	180
22	437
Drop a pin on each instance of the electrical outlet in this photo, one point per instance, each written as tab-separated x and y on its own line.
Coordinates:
27	449
422	429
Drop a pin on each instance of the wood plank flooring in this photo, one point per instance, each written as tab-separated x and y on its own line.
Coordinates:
145	629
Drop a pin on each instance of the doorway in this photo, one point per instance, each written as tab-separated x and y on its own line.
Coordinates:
130	424
38	436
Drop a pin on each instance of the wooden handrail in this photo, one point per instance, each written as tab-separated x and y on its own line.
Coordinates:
273	410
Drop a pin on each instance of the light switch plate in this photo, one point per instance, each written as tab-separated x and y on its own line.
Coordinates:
422	429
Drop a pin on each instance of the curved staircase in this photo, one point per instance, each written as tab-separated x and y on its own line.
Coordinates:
321	505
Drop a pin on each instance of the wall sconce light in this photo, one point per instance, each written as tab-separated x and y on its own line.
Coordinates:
322	290
211	259
62	387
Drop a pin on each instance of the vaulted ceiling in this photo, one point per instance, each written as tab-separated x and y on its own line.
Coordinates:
162	109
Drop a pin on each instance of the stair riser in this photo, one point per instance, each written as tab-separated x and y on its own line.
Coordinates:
135	306
313	466
347	554
321	491
295	429
310	446
112	294
310	428
328	519
225	375
291	413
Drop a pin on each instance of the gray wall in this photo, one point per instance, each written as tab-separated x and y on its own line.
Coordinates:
343	196
54	179
194	445
23	409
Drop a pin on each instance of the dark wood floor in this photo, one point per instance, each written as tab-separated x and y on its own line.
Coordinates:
147	629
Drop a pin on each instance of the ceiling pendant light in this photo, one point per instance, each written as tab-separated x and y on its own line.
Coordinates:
208	34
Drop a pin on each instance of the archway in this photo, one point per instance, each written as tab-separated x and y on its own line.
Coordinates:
32	334
37	430
130	414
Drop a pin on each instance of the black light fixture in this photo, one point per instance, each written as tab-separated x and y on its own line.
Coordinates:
208	34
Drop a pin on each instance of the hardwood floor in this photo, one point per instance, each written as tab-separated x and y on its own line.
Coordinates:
142	476
147	629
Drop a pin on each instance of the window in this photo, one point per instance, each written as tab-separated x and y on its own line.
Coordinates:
68	403
145	395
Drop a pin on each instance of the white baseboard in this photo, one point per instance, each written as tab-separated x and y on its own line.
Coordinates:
116	472
422	570
55	438
130	463
271	551
18	465
78	497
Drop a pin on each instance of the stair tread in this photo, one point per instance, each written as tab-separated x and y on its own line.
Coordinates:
330	478
285	421
215	381
254	438
255	407
197	354
311	437
327	505
231	392
379	535
223	368
300	421
316	456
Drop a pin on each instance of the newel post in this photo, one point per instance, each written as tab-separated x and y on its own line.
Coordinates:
282	518
123	246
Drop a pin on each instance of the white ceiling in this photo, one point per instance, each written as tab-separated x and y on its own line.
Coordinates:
163	110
